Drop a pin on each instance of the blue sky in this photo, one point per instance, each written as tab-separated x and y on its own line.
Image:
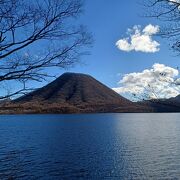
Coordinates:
108	21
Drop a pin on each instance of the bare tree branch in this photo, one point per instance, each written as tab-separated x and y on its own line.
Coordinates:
38	35
168	11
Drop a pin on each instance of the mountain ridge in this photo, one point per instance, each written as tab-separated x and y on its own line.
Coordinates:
81	93
163	105
68	86
75	93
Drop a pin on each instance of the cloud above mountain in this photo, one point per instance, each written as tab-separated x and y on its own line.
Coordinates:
140	39
160	81
174	2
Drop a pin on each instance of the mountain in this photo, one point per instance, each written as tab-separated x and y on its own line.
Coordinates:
74	93
163	105
175	99
75	88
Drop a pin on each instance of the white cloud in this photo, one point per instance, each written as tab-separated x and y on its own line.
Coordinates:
150	29
158	82
175	3
140	40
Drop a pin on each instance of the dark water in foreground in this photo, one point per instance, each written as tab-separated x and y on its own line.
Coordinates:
98	146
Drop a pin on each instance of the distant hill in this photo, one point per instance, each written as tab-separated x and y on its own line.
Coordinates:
75	92
163	105
175	99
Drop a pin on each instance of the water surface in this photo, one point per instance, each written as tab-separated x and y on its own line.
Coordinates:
96	146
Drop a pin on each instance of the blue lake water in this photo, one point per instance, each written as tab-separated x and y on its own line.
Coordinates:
96	146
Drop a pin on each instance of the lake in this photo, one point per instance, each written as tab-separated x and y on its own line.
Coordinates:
96	146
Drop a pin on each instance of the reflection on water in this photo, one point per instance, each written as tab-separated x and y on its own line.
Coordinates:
115	146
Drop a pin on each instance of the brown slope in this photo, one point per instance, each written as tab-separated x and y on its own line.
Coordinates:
75	92
75	88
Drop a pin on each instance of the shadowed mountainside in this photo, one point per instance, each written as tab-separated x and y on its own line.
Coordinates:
74	93
75	89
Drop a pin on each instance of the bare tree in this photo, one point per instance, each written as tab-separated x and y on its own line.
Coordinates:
168	11
36	35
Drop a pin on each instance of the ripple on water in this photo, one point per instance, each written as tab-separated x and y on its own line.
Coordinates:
111	146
